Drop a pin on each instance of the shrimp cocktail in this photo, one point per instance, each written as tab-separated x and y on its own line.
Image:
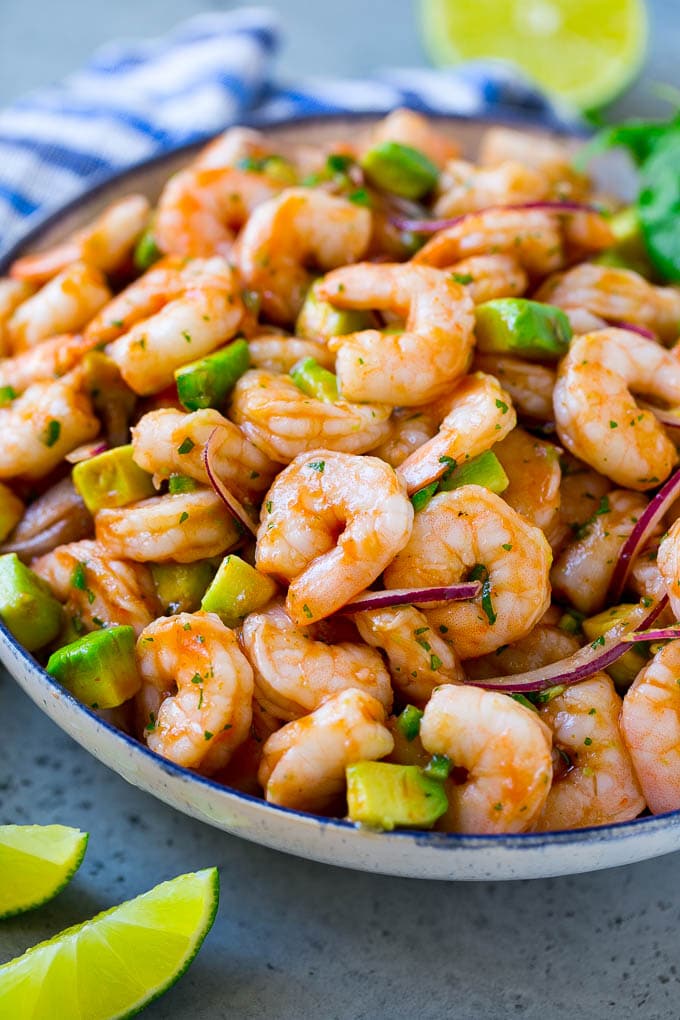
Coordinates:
346	476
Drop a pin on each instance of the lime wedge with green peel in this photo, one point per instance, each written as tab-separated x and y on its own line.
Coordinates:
115	964
583	52
36	862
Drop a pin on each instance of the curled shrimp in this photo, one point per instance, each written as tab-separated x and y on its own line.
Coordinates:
534	473
105	243
505	750
545	644
294	673
552	158
205	313
181	528
529	384
283	422
166	442
488	277
650	724
668	563
419	657
64	305
619	295
303	764
98	591
410	128
597	416
472	533
476	414
286	235
274	352
404	368
330	524
49	360
409	429
465	188
12	294
542	240
197	688
594	782
42	425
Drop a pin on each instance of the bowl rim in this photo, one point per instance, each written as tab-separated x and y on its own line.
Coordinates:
435	839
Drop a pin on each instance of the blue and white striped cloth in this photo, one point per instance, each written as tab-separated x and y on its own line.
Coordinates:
134	100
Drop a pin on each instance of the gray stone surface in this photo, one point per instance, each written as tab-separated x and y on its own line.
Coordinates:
296	940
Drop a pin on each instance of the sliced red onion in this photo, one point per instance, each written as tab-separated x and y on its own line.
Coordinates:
235	507
646	524
433	226
662	634
86	451
413	596
633	328
671	419
582	664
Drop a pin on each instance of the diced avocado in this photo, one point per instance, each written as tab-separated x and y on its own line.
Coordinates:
571	621
111	479
625	669
181	586
400	169
518	326
181	483
320	320
146	252
486	470
387	796
27	607
280	170
315	380
100	668
206	383
11	511
237	589
629	251
7	395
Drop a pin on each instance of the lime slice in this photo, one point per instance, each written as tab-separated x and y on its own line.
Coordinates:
584	52
113	965
36	862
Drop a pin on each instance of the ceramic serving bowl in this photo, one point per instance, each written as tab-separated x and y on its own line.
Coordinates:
412	854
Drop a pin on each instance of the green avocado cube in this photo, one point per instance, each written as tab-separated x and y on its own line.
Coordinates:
237	589
28	608
112	479
11	511
208	381
320	320
386	796
100	669
625	669
486	470
181	586
526	328
400	169
315	380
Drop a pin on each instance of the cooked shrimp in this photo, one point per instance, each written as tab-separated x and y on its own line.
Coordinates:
233	145
98	591
164	282
167	442
668	562
42	425
619	295
581	496
182	528
201	209
594	780
554	159
419	657
105	243
283	422
597	416
490	276
274	352
542	240
206	313
529	384
465	188
303	764
49	360
197	688
472	532
12	294
64	305
650	725
583	571
409	429
410	128
406	368
505	750
544	645
294	673
477	414
533	469
331	523
646	580
287	235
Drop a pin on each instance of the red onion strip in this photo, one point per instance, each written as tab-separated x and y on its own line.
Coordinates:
671	419
633	328
582	664
432	226
235	507
413	596
86	451
646	523
662	634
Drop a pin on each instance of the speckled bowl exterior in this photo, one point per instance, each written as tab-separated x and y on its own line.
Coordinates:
435	855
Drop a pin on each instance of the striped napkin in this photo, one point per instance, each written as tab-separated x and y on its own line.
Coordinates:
134	100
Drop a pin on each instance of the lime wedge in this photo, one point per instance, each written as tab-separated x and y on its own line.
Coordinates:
112	966
583	52
36	862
